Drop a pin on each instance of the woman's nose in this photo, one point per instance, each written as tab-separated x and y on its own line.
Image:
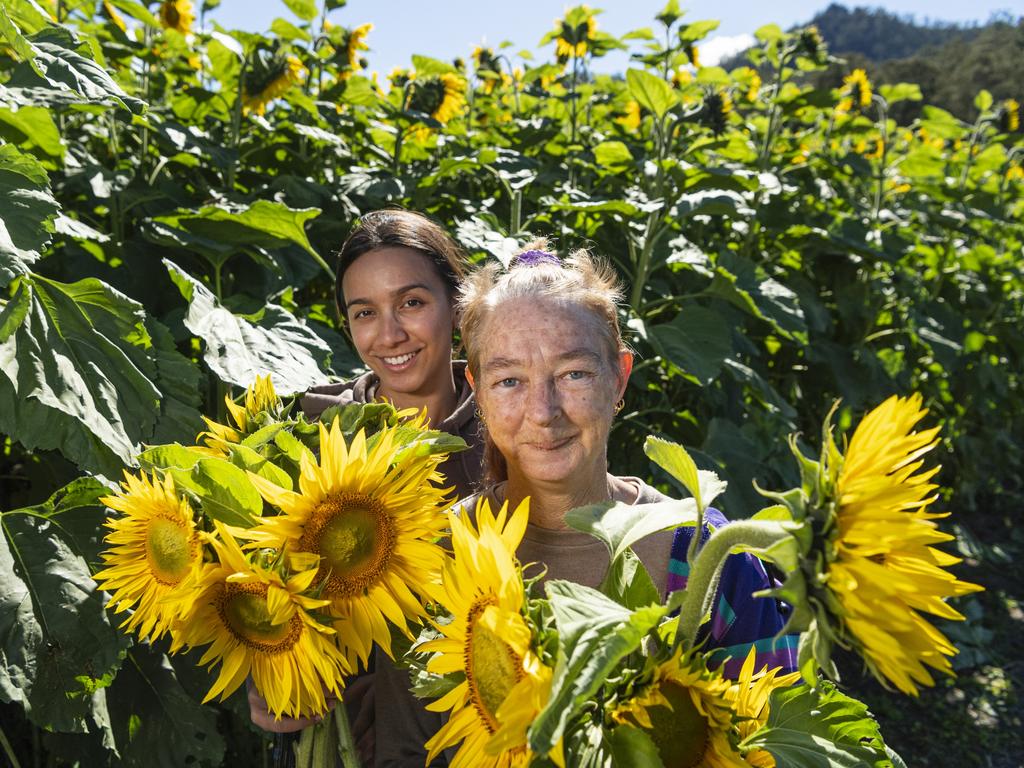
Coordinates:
393	332
544	404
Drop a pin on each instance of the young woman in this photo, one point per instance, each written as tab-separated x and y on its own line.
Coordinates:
397	280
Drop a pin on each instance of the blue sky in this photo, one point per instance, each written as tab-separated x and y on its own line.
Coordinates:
448	28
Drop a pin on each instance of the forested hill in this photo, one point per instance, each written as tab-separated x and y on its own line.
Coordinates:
950	62
879	35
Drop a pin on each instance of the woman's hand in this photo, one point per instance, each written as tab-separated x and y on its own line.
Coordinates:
262	718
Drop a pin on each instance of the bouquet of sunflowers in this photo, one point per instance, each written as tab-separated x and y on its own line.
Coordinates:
288	549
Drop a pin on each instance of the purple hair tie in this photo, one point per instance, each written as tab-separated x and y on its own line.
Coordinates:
533	258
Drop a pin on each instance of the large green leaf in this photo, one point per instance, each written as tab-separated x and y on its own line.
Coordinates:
239	349
820	728
651	91
621	525
27	210
32	127
595	633
740	282
697	341
263	223
223	491
156	722
58	645
62	72
80	373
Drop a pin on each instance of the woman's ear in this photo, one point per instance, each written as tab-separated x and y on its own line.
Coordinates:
625	368
469	378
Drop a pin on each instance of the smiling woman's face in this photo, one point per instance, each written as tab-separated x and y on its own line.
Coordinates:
547	390
401	319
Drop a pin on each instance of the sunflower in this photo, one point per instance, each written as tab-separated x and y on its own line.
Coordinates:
575	32
260	399
114	16
488	641
884	569
751	80
257	622
355	43
1010	114
695	716
812	45
177	15
693	54
154	556
716	110
272	84
630	120
373	513
856	92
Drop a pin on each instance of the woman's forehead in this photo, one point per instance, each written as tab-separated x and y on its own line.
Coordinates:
524	328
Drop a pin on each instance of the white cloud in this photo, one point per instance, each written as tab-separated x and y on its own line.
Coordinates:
722	47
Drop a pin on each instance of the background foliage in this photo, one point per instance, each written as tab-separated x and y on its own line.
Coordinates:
168	200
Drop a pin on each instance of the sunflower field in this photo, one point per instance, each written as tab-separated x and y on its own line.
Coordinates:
172	196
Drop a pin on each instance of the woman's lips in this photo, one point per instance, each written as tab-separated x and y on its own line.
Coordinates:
551	445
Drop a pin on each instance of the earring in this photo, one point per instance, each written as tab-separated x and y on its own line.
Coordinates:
480	415
620	405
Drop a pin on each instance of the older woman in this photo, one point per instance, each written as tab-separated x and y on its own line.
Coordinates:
549	370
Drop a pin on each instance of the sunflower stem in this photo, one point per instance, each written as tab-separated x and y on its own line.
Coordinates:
706	569
346	744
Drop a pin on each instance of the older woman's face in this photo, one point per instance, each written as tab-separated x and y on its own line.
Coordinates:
547	389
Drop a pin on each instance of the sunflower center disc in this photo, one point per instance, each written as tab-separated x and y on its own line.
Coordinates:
680	733
354	535
244	609
493	669
169	549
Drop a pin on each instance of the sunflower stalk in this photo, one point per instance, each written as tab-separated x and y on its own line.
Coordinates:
706	570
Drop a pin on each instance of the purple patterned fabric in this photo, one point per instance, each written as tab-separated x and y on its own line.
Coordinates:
738	620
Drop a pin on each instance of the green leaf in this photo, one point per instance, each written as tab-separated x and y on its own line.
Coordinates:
264	223
137	11
613	155
32	127
157	723
27	209
304	9
10	33
238	350
633	747
703	485
246	458
768	33
64	71
88	378
58	645
621	525
696	341
983	101
629	582
595	633
426	66
285	30
745	285
171	456
224	491
697	30
819	728
900	92
651	91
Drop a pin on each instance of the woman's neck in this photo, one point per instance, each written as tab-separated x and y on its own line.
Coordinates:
440	404
549	504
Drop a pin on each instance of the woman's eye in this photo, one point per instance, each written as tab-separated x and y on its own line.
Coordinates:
508	382
577	375
361	314
414	302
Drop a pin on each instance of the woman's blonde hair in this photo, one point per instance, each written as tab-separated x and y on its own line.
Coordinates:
581	279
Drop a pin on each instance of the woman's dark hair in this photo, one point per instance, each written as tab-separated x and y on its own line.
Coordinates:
395	228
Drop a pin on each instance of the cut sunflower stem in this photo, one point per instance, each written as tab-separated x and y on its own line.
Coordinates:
707	567
346	743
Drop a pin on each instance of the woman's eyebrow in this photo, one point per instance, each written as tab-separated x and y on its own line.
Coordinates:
396	292
580	353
